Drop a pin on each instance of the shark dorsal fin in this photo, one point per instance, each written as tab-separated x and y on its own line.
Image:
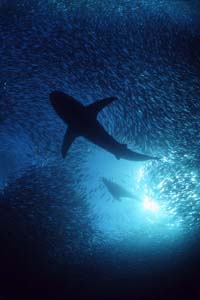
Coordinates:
97	106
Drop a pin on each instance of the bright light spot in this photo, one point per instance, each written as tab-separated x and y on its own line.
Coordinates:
150	204
194	196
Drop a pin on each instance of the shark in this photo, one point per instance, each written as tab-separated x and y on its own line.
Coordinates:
117	191
82	121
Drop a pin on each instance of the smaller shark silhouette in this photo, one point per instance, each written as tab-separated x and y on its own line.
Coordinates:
117	191
82	121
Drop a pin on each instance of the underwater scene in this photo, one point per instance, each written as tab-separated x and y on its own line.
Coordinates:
99	149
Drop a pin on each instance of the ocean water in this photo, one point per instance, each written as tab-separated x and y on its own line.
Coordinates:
62	233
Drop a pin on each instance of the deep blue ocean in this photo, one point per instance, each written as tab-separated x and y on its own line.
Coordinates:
62	233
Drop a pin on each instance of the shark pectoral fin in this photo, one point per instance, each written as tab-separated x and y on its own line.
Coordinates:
117	157
68	140
97	106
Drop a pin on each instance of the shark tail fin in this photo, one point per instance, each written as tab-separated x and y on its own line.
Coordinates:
123	147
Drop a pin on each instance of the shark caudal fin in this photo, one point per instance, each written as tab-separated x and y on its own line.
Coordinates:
124	148
96	107
131	155
68	140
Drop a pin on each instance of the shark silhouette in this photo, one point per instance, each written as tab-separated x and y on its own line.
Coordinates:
82	121
117	191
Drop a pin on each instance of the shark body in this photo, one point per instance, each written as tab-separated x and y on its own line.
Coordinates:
82	121
117	191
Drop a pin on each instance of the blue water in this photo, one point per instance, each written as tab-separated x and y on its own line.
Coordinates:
58	212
